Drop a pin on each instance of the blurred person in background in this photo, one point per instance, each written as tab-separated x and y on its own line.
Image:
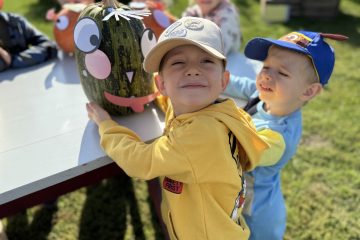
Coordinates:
225	14
21	44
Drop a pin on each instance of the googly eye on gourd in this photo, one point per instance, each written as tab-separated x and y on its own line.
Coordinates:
62	22
148	41
87	35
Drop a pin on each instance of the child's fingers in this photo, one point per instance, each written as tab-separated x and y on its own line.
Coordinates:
90	110
93	107
96	113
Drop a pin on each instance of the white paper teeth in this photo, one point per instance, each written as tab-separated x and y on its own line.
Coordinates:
138	14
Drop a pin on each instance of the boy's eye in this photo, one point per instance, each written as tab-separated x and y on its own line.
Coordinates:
177	62
283	74
208	61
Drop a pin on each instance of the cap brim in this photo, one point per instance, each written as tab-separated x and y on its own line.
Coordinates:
155	55
258	48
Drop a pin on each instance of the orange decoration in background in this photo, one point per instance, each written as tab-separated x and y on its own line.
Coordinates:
64	23
158	20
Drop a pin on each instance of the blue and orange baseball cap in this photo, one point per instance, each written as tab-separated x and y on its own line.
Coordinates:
311	44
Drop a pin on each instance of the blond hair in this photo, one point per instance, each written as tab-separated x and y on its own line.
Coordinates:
309	67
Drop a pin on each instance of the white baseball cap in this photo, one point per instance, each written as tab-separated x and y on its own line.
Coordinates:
187	30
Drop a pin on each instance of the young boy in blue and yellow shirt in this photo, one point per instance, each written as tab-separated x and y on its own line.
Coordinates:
295	69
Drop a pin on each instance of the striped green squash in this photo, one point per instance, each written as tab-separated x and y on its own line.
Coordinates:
109	53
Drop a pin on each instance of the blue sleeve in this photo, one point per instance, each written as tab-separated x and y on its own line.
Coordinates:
241	87
39	49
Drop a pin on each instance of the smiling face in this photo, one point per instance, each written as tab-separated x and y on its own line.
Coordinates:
191	78
284	81
207	6
109	56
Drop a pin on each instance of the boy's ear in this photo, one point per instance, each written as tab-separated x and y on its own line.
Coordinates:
311	91
160	84
225	79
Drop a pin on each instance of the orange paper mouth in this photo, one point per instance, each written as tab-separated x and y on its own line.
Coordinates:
135	103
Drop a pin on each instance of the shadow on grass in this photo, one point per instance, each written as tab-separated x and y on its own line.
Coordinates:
18	226
105	210
109	211
110	208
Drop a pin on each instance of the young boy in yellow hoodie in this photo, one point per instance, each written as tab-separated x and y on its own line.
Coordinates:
207	142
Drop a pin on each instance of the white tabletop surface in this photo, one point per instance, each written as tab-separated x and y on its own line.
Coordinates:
45	134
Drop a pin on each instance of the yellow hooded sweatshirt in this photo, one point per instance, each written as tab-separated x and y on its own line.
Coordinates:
199	159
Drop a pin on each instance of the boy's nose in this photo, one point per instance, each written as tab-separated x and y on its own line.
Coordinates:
192	74
192	71
267	74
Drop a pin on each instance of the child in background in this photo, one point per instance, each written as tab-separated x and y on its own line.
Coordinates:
207	142
21	44
225	15
296	67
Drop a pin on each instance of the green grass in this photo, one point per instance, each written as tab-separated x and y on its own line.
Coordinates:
321	183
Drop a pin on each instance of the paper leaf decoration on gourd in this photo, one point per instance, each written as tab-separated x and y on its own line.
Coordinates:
111	43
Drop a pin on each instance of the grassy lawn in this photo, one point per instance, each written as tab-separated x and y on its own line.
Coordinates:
321	183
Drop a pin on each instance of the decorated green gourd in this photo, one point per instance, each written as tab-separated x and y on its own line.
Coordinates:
111	43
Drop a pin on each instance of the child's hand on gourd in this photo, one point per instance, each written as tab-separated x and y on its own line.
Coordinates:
97	113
